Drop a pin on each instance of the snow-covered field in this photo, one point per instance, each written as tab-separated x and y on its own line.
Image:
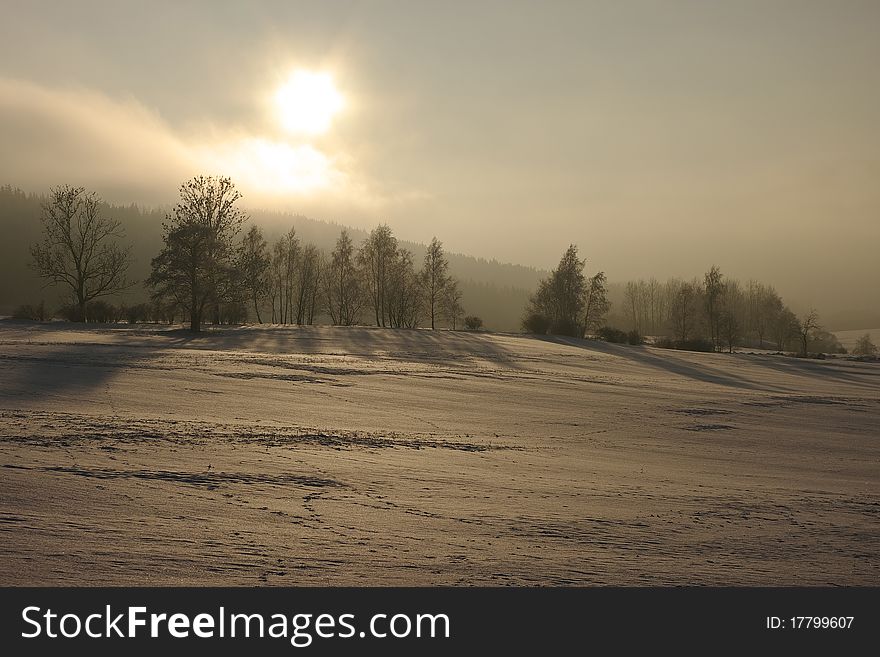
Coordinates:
145	455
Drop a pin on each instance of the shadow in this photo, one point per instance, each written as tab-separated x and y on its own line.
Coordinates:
438	347
63	359
58	359
670	361
856	373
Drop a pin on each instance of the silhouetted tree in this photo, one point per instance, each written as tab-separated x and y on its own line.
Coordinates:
79	247
342	283
450	303
561	298
435	277
405	301
195	268
308	279
807	325
864	346
713	286
684	311
731	303
376	258
785	328
596	304
253	265
283	271
764	306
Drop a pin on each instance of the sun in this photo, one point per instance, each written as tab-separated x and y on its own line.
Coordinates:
307	102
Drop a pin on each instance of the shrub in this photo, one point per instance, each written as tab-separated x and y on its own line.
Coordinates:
100	312
138	313
536	323
694	344
233	313
634	337
612	335
473	323
70	312
27	311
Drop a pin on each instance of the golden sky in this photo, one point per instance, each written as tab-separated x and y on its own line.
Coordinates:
661	137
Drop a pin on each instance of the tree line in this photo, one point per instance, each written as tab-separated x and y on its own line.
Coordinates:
712	313
214	269
211	270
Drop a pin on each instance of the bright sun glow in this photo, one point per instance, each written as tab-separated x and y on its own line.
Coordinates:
271	167
307	103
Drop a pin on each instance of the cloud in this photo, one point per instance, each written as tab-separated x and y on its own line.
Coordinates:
125	150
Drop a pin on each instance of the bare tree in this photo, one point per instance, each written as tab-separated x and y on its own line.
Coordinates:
451	306
655	306
342	284
79	247
435	277
404	298
713	287
763	308
807	326
684	311
253	264
376	258
864	346
283	272
633	298
785	328
307	284
731	307
596	305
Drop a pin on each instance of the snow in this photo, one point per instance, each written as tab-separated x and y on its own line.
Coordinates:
363	456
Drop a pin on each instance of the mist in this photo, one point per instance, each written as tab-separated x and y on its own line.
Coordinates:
660	142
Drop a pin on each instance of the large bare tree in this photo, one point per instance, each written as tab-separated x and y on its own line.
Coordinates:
80	248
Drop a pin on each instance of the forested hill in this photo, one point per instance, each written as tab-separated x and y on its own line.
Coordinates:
495	291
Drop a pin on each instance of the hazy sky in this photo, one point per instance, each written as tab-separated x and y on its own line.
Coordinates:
661	137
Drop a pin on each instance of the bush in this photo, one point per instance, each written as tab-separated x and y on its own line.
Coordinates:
536	323
138	314
612	335
473	323
100	312
27	311
233	313
634	337
70	312
694	344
